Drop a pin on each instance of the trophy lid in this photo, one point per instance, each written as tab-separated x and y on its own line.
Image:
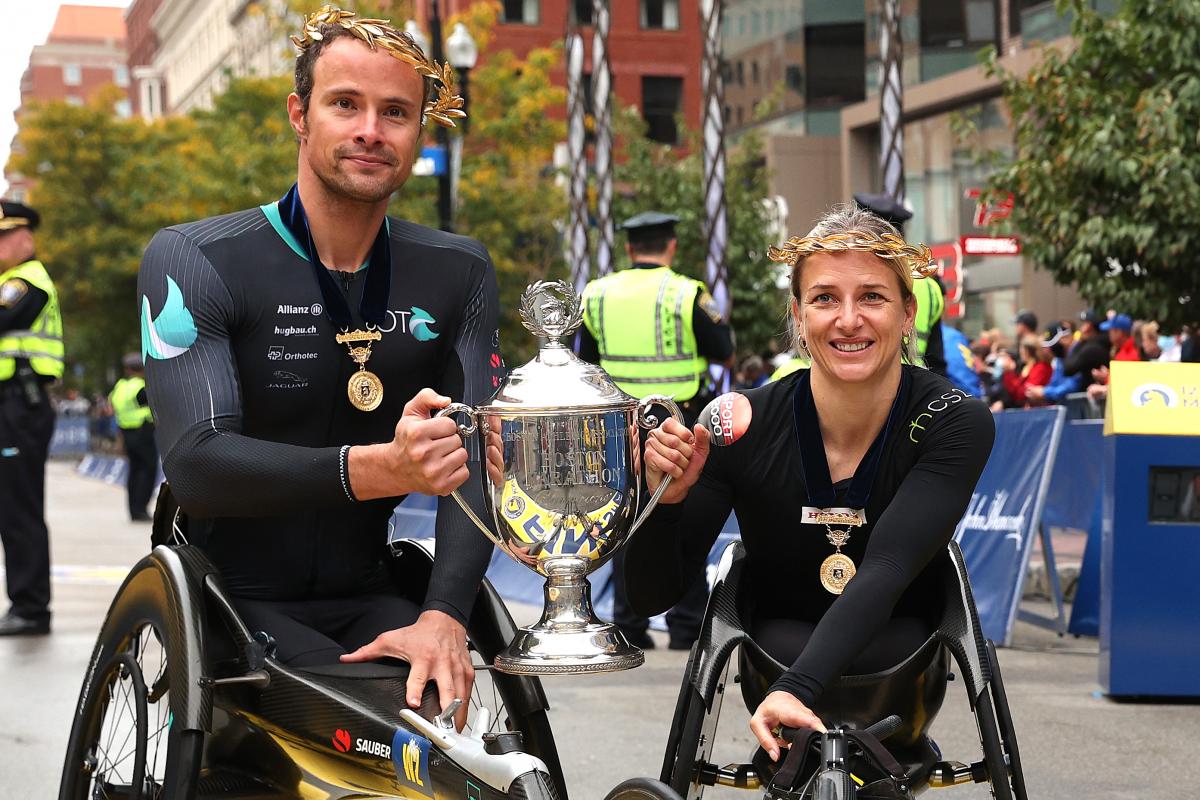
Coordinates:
555	379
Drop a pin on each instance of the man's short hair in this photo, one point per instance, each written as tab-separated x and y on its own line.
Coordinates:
306	62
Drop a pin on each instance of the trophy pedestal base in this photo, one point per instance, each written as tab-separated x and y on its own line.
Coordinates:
595	647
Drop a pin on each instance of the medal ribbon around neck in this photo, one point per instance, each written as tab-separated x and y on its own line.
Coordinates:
364	389
837	570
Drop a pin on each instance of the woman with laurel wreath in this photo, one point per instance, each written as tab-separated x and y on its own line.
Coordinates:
847	479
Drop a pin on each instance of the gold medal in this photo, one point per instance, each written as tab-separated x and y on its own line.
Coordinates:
365	390
836	572
838	569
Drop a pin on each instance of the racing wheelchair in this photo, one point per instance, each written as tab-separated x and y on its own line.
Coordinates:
181	700
861	711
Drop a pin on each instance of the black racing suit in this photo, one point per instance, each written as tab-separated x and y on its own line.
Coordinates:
930	461
248	387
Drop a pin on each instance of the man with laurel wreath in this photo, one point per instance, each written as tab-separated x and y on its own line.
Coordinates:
296	354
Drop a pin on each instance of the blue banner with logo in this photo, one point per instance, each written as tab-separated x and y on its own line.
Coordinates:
997	532
71	436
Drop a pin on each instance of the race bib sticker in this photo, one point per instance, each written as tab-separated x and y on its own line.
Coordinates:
726	418
410	755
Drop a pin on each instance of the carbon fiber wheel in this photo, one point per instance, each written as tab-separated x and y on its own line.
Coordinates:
122	743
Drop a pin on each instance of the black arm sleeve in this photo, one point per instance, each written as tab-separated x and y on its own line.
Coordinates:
916	526
589	348
672	536
714	339
935	353
214	470
473	374
21	314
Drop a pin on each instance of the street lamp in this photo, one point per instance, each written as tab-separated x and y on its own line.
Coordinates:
462	53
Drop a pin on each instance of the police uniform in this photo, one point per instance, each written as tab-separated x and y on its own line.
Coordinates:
131	409
31	357
930	296
655	331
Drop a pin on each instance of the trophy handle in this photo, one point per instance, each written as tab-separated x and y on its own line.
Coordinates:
465	431
650	421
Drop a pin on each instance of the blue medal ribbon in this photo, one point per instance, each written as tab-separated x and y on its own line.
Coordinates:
814	467
373	305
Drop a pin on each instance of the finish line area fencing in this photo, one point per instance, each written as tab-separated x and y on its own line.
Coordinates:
1044	472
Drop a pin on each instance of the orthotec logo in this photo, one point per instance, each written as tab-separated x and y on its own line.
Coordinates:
1154	394
170	333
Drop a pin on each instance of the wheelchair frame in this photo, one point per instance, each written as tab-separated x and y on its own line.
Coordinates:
242	724
686	766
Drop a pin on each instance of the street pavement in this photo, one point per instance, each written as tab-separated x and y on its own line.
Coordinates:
1075	743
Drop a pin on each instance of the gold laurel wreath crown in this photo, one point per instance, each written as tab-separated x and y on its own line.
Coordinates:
916	257
379	34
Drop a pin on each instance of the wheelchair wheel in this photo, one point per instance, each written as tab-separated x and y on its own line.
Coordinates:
642	789
683	746
1008	734
993	750
123	743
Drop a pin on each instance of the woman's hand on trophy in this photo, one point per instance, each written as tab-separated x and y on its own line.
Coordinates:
777	710
676	451
426	455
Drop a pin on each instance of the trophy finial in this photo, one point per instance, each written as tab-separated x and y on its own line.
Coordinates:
551	309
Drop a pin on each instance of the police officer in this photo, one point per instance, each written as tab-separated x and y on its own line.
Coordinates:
655	331
931	299
31	357
134	418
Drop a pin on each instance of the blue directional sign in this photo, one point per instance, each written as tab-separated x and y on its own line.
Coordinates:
432	161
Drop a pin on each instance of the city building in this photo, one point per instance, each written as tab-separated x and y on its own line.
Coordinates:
84	51
654	46
811	69
146	93
201	43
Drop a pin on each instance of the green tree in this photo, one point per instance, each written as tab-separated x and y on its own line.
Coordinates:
1106	161
655	176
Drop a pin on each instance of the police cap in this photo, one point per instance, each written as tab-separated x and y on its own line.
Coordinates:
882	205
649	226
17	215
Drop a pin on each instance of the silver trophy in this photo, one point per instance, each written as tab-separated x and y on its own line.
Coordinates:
561	485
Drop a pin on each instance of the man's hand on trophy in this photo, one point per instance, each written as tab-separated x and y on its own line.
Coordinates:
674	450
435	646
426	455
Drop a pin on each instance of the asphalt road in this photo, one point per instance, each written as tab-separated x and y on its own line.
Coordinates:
1075	743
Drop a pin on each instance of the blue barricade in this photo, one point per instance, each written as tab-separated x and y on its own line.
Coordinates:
1074	501
997	531
70	436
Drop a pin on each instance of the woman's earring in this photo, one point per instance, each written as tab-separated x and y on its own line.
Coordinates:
803	343
906	340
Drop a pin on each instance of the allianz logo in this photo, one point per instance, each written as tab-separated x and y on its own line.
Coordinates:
296	330
316	309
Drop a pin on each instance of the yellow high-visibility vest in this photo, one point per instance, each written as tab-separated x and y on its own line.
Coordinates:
930	305
641	319
125	406
42	342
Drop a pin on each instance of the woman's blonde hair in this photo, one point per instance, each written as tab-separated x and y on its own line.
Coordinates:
848	227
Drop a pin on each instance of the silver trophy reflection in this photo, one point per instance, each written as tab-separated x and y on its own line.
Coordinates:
561	485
